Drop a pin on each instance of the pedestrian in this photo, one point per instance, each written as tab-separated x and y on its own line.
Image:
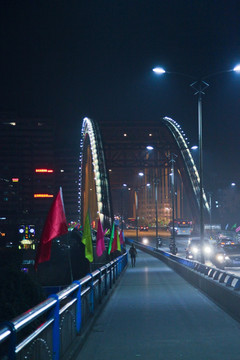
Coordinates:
133	254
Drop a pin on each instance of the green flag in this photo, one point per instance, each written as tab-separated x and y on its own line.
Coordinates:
87	239
111	239
234	227
118	242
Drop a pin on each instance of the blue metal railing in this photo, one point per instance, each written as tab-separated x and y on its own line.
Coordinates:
50	329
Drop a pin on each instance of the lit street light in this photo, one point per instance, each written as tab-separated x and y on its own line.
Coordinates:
199	86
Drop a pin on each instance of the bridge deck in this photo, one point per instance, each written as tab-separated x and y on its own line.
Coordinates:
155	314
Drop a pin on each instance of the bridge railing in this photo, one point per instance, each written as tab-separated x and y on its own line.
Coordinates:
53	328
219	285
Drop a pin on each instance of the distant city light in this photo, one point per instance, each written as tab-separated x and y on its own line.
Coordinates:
141	174
149	147
10	123
125	134
15	179
194	147
43	195
233	184
43	170
149	134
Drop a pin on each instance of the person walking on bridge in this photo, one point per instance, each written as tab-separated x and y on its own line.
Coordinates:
133	254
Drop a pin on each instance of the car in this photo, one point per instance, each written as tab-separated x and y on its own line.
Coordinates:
232	255
143	228
226	241
219	257
193	250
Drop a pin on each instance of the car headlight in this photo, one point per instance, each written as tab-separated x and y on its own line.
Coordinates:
207	250
195	249
220	258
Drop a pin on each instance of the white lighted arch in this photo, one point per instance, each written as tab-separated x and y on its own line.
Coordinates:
87	128
182	143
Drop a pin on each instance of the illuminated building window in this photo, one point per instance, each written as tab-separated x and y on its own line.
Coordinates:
44	170
43	195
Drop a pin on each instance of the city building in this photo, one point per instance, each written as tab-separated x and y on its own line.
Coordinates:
27	180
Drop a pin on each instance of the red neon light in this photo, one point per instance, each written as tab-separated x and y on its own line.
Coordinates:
15	179
43	195
43	170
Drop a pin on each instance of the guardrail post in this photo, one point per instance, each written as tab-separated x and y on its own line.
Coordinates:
100	287
12	342
106	286
91	294
117	268
78	307
114	271
110	275
56	328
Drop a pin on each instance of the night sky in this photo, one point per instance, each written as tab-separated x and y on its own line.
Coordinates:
71	59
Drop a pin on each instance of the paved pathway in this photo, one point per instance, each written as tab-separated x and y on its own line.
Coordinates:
154	314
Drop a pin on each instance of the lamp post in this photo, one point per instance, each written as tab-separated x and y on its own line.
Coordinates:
210	205
156	182
122	202
136	202
199	87
173	242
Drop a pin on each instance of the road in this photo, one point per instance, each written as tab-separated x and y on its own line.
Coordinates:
181	243
154	314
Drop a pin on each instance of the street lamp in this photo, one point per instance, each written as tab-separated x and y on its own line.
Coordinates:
173	242
124	186
136	202
156	182
199	86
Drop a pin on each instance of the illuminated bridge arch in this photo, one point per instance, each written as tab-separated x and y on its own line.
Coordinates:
125	146
189	164
94	194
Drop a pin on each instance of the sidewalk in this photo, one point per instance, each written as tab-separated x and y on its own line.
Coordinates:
154	314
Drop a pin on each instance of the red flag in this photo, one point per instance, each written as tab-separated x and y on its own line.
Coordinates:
116	242
100	245
55	225
121	236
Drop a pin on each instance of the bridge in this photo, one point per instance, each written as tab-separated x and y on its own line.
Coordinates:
164	308
114	155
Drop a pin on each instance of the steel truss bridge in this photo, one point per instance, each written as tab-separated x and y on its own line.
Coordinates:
114	154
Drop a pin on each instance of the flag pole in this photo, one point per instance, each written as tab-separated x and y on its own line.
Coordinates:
69	257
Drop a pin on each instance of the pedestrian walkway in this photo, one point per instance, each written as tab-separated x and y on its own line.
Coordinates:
154	314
